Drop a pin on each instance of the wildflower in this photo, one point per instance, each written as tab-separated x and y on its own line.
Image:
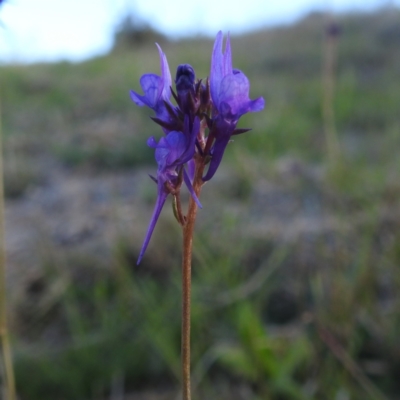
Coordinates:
171	153
197	131
230	95
213	106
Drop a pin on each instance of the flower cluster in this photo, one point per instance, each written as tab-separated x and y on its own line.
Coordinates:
198	128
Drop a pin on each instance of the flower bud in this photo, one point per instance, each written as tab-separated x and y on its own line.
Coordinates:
185	87
184	80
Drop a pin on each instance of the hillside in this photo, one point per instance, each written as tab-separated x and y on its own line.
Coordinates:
297	248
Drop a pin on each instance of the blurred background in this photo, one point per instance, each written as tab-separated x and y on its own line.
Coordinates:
297	247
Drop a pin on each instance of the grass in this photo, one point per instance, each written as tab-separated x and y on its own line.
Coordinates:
296	281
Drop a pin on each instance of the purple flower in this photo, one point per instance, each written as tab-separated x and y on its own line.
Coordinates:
171	153
157	90
216	104
230	95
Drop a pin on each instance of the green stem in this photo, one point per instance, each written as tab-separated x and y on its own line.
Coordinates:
328	113
5	342
188	230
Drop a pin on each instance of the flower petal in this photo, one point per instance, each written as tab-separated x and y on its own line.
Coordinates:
162	196
257	104
156	90
151	142
216	72
234	90
138	99
161	154
221	65
177	145
218	151
165	74
190	188
228	57
191	169
149	84
190	139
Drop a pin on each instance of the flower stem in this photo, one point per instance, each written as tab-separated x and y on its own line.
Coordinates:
188	230
4	337
329	82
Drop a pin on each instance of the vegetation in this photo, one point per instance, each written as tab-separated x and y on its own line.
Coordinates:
296	281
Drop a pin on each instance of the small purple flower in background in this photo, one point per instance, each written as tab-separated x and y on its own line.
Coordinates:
198	129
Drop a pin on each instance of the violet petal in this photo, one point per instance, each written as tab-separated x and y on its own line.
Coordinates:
165	73
162	196
218	151
190	188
